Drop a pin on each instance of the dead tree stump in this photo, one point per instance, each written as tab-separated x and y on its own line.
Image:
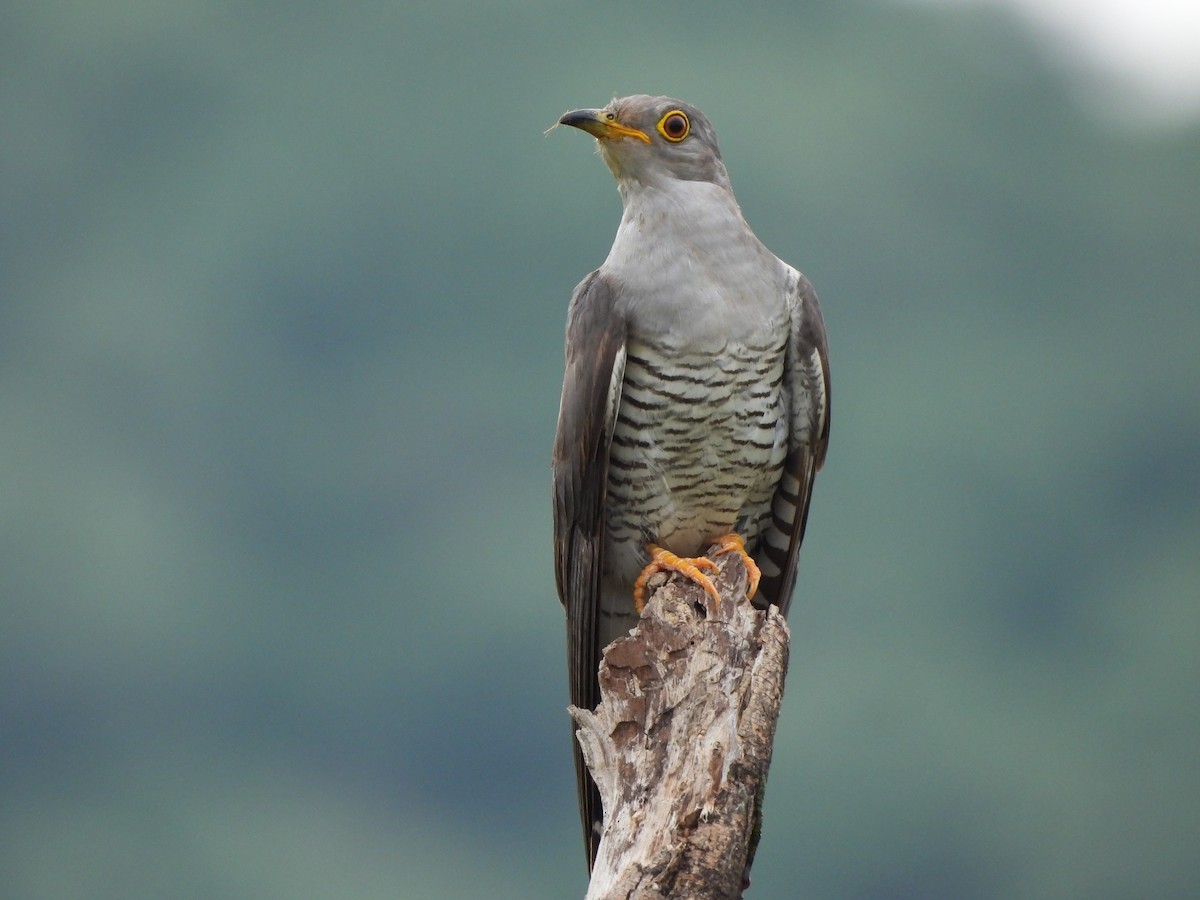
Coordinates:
681	741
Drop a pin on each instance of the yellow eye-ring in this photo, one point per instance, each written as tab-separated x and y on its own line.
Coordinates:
674	126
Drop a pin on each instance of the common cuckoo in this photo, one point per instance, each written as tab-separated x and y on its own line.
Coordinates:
695	404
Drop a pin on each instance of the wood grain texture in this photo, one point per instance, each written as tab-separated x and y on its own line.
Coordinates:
681	742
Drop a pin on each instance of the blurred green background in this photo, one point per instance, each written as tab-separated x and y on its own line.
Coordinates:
282	291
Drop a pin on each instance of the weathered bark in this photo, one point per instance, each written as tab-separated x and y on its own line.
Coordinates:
681	741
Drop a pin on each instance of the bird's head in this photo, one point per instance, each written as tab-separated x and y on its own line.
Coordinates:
652	140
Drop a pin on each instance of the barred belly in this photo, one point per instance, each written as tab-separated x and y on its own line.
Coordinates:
697	450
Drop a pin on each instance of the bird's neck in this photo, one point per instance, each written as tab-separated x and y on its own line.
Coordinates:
681	219
694	214
686	255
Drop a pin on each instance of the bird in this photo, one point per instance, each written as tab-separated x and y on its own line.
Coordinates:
695	402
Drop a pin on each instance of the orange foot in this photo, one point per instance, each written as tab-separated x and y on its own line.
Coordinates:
665	561
733	543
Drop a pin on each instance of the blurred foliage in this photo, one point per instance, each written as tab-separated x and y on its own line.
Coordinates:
281	302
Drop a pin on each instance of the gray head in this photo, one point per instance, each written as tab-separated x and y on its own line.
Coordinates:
652	140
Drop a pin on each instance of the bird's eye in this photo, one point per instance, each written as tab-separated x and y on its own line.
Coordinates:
674	126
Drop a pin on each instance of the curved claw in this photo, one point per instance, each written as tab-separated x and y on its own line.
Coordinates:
733	543
665	561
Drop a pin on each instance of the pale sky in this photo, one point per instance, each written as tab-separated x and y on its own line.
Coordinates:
1136	61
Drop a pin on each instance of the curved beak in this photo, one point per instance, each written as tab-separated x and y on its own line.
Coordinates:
601	125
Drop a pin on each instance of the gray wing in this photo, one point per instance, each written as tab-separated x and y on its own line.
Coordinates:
806	380
595	365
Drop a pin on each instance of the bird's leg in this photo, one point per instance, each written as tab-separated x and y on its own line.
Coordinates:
665	561
733	543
